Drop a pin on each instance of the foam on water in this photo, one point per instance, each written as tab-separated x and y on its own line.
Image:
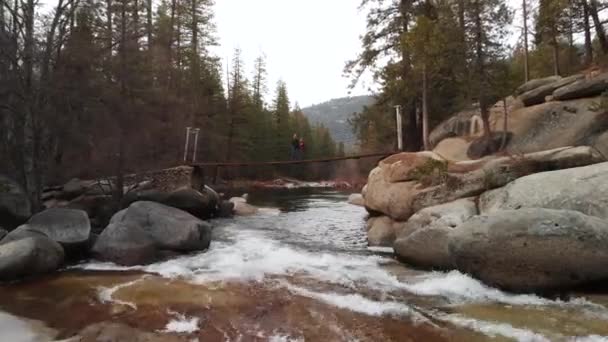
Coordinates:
496	329
358	303
105	294
182	324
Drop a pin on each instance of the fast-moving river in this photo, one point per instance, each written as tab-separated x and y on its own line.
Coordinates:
299	272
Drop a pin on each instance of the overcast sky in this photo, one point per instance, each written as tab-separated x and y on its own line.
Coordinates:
306	42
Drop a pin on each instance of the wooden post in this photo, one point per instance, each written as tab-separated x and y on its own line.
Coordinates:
399	120
187	143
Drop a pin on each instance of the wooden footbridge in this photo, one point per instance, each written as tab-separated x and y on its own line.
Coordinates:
200	167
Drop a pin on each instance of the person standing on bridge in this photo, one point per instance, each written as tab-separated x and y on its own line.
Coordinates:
295	146
301	149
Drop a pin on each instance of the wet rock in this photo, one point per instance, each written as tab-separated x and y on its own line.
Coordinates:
407	166
226	209
423	242
118	332
169	227
583	88
382	231
149	195
242	208
29	256
69	227
200	204
356	199
94	206
125	244
538	95
536	83
15	207
532	250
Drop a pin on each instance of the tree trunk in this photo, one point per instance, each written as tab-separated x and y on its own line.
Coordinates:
526	49
109	34
149	23
425	109
599	29
587	29
481	76
555	49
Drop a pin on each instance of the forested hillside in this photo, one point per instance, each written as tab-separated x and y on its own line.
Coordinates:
335	115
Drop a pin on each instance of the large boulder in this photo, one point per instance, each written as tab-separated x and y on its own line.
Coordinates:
125	244
583	88
407	166
15	207
169	227
532	250
465	179
382	231
423	242
3	233
538	95
202	204
582	189
536	83
69	227
29	256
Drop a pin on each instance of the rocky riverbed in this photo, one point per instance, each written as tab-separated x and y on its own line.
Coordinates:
300	272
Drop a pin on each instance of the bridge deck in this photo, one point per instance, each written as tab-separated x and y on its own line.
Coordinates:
291	162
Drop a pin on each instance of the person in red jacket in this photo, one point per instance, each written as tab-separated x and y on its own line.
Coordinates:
301	147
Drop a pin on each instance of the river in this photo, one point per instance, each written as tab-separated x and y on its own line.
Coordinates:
298	271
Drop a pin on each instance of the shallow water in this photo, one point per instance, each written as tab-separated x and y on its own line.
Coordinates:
298	272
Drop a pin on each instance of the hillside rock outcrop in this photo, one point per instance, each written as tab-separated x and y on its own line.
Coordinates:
581	189
532	249
448	182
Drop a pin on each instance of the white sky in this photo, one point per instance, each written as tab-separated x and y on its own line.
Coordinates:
307	43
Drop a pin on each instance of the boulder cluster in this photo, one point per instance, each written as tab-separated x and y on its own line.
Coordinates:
534	222
152	225
532	218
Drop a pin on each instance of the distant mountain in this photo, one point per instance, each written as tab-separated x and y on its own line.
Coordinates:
334	114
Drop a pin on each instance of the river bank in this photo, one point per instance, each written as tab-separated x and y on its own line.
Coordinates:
303	272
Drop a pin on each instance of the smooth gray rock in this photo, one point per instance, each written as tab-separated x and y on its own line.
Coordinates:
169	227
423	242
203	204
125	244
29	256
538	95
381	231
532	250
583	88
535	83
582	189
69	227
226	209
15	207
